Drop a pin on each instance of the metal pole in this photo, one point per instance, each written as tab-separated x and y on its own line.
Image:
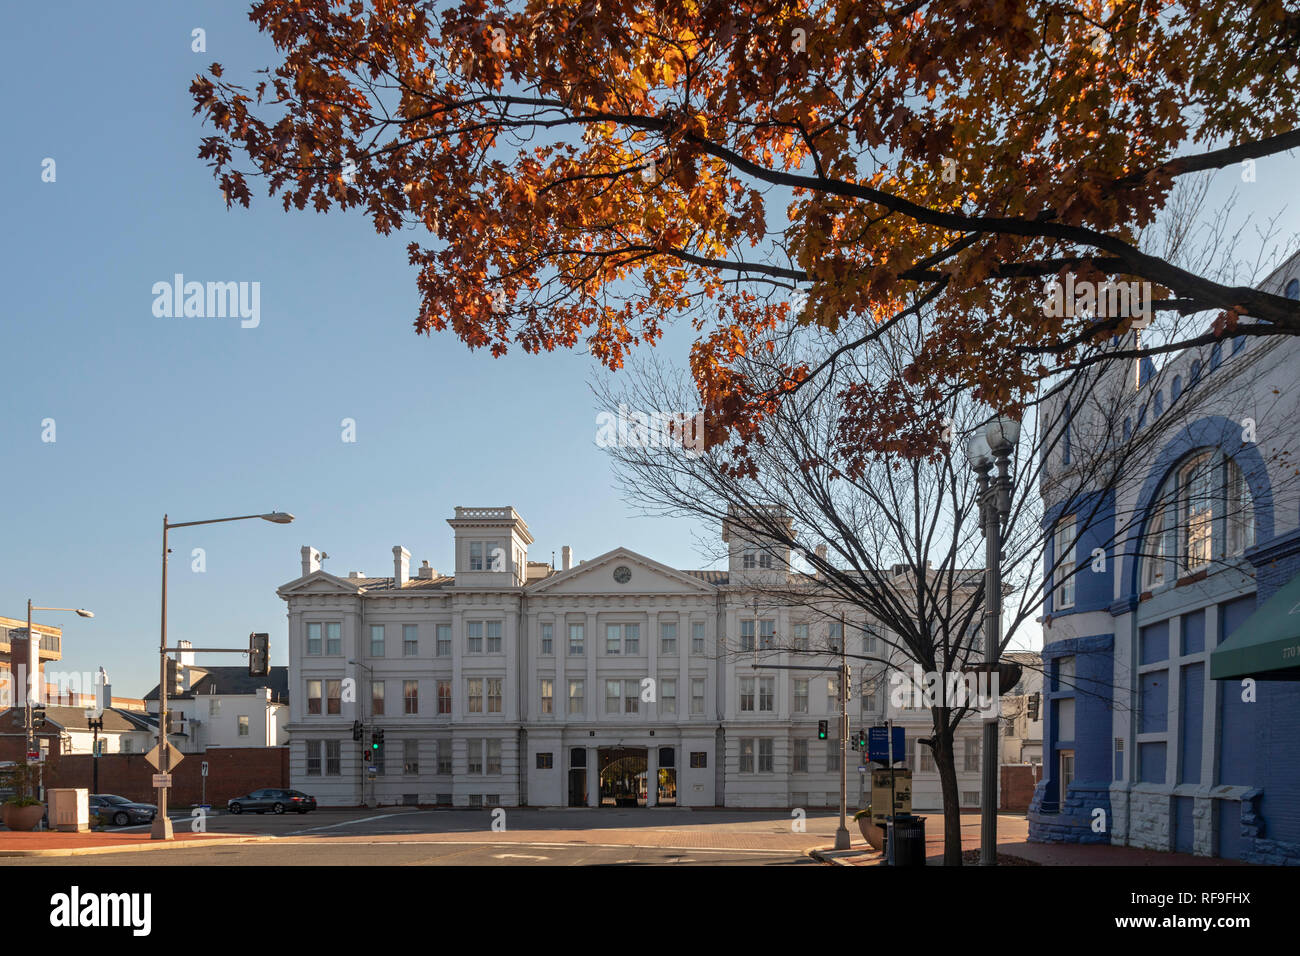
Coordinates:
162	824
842	834
27	684
992	628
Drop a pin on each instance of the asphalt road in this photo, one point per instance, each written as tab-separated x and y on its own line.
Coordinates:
513	837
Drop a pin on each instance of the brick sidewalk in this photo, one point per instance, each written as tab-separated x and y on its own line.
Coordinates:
1014	848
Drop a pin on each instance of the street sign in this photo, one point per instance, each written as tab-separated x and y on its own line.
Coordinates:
203	769
174	757
878	744
33	756
162	780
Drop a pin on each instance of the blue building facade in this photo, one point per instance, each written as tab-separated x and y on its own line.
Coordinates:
1198	528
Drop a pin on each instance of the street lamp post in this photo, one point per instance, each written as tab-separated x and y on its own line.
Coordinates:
989	446
34	667
162	824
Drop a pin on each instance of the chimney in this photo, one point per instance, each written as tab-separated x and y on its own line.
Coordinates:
566	557
821	552
426	573
310	560
401	566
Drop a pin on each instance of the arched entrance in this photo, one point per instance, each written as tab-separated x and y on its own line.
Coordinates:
622	776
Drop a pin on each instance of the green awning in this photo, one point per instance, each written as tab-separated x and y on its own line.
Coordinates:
1267	644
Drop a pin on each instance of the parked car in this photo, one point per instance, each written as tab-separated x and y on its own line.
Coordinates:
120	811
277	801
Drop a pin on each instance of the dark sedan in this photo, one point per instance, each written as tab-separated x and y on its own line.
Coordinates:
120	811
277	801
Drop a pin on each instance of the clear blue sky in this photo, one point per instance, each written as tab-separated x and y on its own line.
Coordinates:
200	418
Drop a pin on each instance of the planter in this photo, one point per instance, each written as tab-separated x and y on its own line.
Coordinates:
22	818
874	836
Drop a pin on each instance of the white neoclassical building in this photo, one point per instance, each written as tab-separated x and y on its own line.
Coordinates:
613	681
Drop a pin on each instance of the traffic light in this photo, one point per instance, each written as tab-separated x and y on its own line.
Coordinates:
821	729
1033	705
376	740
853	743
38	718
259	655
862	738
358	730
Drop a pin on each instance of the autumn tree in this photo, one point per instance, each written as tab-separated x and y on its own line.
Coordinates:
586	172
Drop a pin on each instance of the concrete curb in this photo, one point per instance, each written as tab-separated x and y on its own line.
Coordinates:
137	847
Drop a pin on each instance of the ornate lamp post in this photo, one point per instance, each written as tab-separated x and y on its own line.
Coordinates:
992	446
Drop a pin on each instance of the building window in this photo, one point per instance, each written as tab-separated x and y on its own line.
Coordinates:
376	640
444	640
970	798
766	761
746	754
697	637
631	696
668	637
473	637
971	756
334	638
548	696
613	638
494	695
697	695
410	758
314	696
545	761
577	699
668	696
767	635
800	636
613	693
494	637
801	695
746	635
243	725
444	697
765	561
474	756
548	639
924	759
868	639
576	640
486	556
832	755
746	694
214	705
800	755
832	695
1065	577
835	636
377	698
748	561
1203	511
766	693
474	695
494	758
410	640
313	758
1239	508
313	639
411	696
333	758
333	696
444	759
699	759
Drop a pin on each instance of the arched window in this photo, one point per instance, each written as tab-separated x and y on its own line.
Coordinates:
1292	290
1203	513
1176	389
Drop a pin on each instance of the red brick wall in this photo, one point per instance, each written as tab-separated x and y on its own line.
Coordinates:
232	772
1018	782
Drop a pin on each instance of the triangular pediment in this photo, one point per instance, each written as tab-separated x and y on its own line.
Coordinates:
597	576
319	582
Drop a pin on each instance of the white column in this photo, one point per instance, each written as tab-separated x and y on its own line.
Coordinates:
593	777
652	667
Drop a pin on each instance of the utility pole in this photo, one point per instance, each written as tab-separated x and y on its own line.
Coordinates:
842	834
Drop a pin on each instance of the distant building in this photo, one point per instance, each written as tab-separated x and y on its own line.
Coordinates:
14	656
508	682
223	706
1022	712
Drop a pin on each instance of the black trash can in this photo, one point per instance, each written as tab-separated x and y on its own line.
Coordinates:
909	840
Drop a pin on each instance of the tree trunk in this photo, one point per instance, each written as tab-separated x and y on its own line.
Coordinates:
946	763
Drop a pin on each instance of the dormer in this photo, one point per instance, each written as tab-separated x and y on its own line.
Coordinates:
753	555
491	547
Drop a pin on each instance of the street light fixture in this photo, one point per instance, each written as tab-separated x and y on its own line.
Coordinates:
162	824
34	666
992	445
